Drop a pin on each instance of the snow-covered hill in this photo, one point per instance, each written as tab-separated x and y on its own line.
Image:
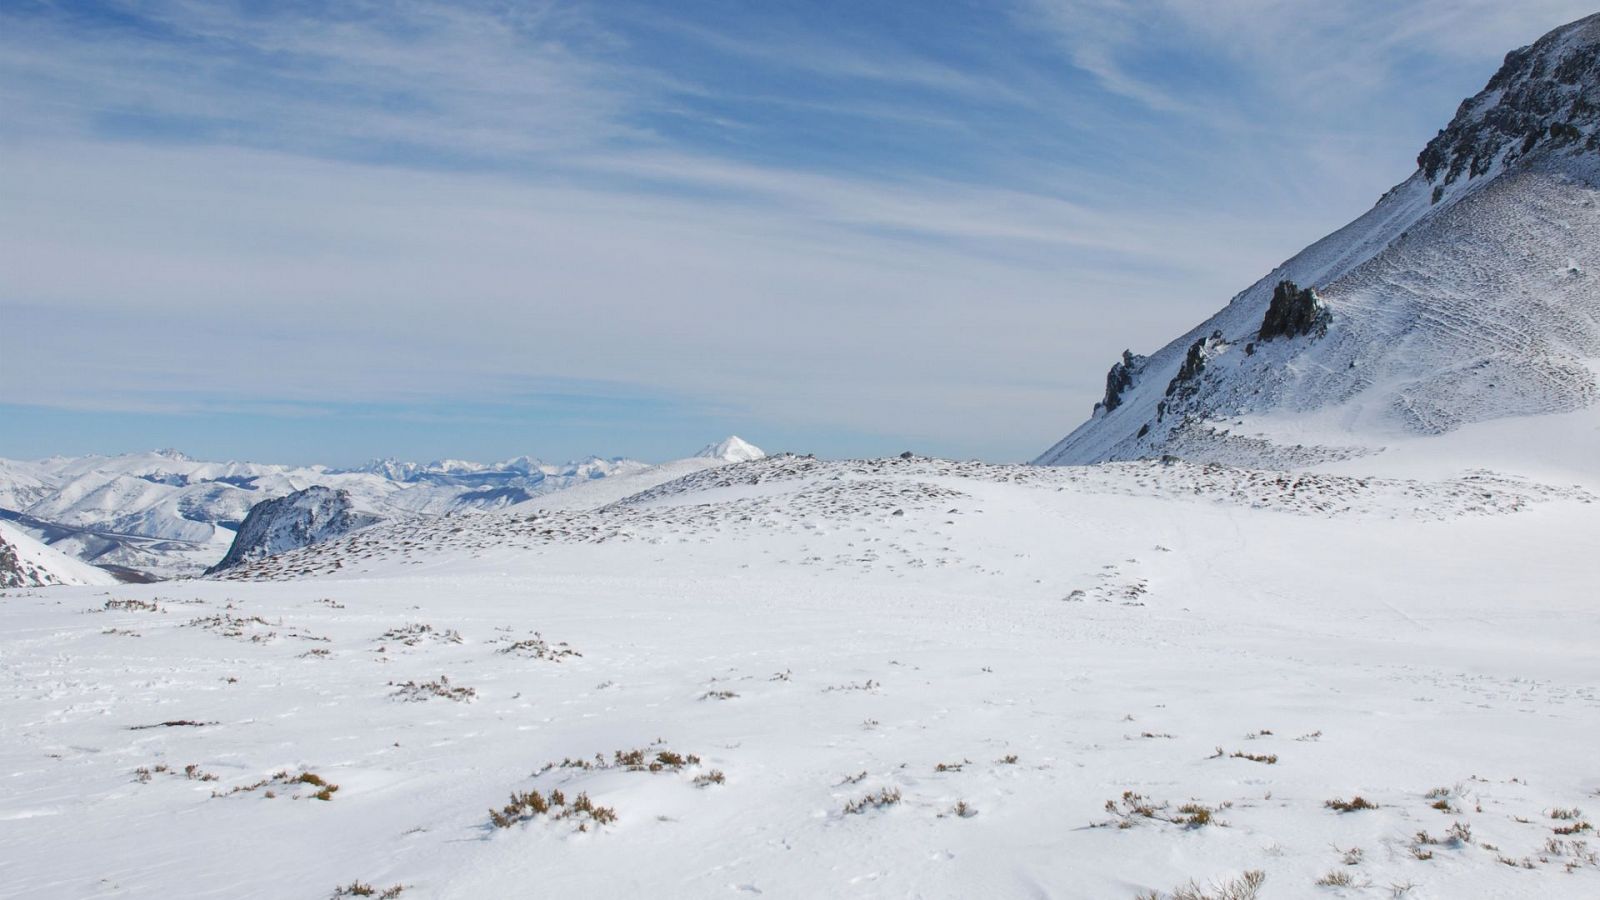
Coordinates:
25	562
1470	293
290	522
900	677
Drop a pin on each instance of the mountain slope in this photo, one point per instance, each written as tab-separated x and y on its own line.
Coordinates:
25	562
1468	293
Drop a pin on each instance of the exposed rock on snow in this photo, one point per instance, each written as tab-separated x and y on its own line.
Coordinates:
1293	312
1542	97
1119	380
301	519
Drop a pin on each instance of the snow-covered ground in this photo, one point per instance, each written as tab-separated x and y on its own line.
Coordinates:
992	653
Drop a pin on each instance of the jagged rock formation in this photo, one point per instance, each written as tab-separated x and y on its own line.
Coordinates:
1293	312
301	519
1466	294
1119	380
1542	96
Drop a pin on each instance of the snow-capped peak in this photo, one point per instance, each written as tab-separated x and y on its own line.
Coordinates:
731	449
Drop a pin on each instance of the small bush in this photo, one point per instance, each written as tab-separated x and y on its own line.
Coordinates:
1245	887
879	800
1336	878
1353	804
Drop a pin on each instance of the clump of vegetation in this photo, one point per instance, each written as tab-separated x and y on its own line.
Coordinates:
132	606
714	776
1459	835
1134	806
143	774
1010	759
1245	887
418	632
529	805
537	647
659	761
412	692
868	685
362	889
879	800
952	767
1355	803
229	625
963	810
1336	878
324	788
718	695
1270	759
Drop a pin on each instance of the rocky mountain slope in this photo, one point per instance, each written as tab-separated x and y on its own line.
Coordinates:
1469	293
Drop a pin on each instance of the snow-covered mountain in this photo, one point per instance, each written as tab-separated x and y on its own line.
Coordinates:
296	520
166	513
25	562
1469	293
733	449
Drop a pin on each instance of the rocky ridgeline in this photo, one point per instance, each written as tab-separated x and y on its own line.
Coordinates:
1544	96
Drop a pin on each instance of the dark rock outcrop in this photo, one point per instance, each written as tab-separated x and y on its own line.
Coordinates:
1544	94
1293	312
1120	379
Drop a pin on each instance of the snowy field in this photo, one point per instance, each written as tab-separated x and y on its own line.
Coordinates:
888	678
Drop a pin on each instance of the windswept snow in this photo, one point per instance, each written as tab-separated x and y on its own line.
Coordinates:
870	678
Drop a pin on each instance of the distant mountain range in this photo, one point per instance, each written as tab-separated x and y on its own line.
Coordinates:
167	514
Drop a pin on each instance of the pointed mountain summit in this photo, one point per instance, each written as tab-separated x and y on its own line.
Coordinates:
1469	293
731	449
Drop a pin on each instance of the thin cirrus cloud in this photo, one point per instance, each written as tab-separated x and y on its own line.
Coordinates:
855	227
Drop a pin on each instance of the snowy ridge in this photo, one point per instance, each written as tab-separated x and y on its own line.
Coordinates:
1467	294
794	495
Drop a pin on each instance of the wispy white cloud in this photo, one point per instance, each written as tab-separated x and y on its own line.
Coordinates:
422	202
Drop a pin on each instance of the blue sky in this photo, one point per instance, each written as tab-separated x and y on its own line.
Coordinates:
330	231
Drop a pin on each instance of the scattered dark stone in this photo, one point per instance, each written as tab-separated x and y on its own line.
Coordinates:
907	455
1293	312
1143	430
